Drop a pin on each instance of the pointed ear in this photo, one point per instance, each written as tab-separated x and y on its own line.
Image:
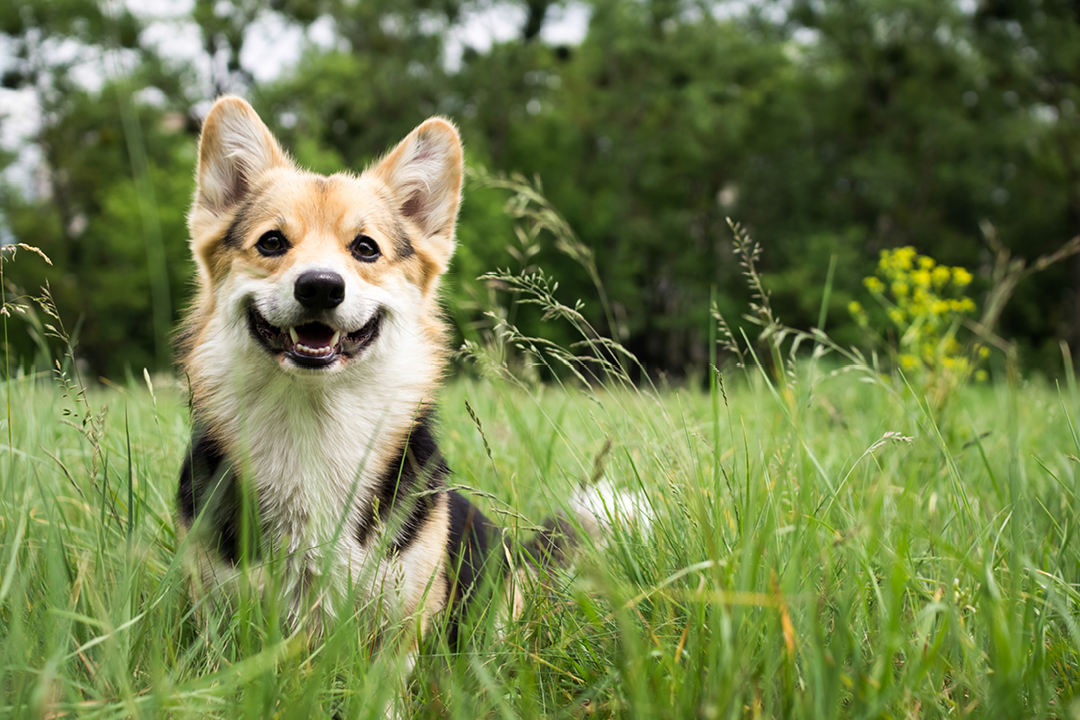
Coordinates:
235	147
424	172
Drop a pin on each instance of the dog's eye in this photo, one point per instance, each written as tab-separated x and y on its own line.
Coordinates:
272	243
365	249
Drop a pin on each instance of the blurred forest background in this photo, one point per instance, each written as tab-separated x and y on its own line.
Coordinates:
828	128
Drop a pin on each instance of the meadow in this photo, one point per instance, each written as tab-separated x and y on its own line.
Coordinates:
825	543
830	534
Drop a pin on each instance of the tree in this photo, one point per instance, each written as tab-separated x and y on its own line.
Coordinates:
111	214
829	130
1033	69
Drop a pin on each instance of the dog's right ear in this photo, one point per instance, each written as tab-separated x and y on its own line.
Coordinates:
235	148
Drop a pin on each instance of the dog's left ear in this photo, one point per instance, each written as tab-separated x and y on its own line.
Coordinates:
424	171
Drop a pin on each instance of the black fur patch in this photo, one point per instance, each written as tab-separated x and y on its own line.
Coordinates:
403	246
418	461
469	545
201	464
478	550
423	506
209	485
234	235
549	546
241	222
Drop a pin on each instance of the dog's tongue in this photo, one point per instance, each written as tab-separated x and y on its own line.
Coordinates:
314	335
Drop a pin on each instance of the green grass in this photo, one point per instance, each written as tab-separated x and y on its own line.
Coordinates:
789	571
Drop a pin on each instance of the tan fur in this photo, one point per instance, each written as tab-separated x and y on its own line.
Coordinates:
407	203
327	212
320	437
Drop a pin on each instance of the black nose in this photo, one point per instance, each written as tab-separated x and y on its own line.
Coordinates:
319	290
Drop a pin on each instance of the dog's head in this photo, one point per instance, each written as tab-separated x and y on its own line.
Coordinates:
311	273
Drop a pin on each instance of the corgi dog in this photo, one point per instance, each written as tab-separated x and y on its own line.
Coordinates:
314	349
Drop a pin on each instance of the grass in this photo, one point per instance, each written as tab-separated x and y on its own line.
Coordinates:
825	542
829	548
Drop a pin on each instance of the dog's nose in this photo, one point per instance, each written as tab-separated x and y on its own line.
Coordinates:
319	290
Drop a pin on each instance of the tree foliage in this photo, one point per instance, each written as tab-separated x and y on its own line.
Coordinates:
831	130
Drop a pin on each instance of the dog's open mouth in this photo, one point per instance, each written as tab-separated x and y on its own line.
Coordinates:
312	344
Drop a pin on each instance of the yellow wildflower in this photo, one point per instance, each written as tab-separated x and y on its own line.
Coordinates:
961	276
984	352
914	290
965	305
981	375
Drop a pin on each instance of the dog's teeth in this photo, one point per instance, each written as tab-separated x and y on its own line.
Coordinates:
300	347
334	340
293	335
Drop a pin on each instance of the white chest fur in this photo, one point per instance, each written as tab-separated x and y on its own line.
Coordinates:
314	447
